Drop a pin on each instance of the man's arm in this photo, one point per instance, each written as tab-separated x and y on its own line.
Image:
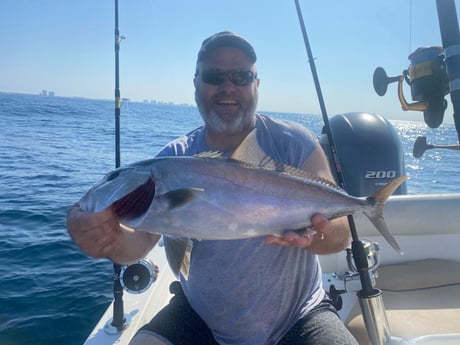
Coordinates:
100	235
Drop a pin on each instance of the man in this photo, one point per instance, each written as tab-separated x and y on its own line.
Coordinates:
251	291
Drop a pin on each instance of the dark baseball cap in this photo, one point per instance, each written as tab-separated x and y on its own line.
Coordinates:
226	39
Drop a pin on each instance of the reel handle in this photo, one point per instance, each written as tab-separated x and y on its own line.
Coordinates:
381	81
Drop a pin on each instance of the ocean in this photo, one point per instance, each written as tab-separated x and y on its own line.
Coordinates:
52	149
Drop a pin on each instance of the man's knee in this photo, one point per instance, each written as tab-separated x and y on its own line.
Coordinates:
148	338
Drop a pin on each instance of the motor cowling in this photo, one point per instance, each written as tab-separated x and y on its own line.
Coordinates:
369	151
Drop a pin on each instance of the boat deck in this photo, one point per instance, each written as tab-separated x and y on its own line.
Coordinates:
416	296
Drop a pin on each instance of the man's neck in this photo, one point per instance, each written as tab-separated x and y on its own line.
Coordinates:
225	142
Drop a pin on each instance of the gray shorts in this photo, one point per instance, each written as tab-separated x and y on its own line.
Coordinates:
179	324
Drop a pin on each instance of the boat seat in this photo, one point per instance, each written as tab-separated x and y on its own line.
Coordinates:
420	298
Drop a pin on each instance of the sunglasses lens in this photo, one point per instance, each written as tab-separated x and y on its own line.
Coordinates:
241	78
213	77
238	78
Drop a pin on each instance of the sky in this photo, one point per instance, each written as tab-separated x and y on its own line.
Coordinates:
68	47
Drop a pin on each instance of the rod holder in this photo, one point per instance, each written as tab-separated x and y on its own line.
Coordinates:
375	319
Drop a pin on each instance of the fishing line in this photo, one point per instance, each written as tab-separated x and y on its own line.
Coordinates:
422	288
410	27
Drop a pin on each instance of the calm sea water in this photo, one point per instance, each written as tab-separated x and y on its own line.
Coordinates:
52	150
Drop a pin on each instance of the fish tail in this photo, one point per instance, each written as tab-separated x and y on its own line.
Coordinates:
375	215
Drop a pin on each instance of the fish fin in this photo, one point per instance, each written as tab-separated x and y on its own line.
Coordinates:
179	197
210	154
178	252
250	152
290	170
378	199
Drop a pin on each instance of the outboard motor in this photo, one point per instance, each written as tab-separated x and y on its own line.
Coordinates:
369	150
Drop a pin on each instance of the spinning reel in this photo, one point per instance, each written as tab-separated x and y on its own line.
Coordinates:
433	73
428	81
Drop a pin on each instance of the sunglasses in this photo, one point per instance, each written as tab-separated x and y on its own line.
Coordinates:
238	78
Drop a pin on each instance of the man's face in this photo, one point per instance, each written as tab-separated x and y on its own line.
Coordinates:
227	106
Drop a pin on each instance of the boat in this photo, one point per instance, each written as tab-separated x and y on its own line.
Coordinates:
383	297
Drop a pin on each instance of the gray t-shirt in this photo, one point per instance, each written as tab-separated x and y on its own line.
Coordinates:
246	291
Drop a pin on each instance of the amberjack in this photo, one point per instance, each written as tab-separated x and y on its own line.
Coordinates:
210	197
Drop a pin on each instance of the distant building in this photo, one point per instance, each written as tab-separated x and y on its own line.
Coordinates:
47	93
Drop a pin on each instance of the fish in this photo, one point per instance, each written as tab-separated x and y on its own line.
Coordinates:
211	197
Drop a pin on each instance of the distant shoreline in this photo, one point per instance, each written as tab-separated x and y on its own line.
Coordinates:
124	99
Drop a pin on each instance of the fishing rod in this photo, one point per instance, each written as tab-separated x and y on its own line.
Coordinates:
117	89
450	36
118	319
367	285
137	277
433	73
370	298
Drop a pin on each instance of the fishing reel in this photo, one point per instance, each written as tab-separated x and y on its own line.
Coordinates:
428	81
372	253
134	278
138	277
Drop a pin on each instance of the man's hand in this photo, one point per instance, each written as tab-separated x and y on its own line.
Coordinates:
97	234
321	225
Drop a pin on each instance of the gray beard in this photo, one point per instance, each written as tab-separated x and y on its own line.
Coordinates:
241	121
238	124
